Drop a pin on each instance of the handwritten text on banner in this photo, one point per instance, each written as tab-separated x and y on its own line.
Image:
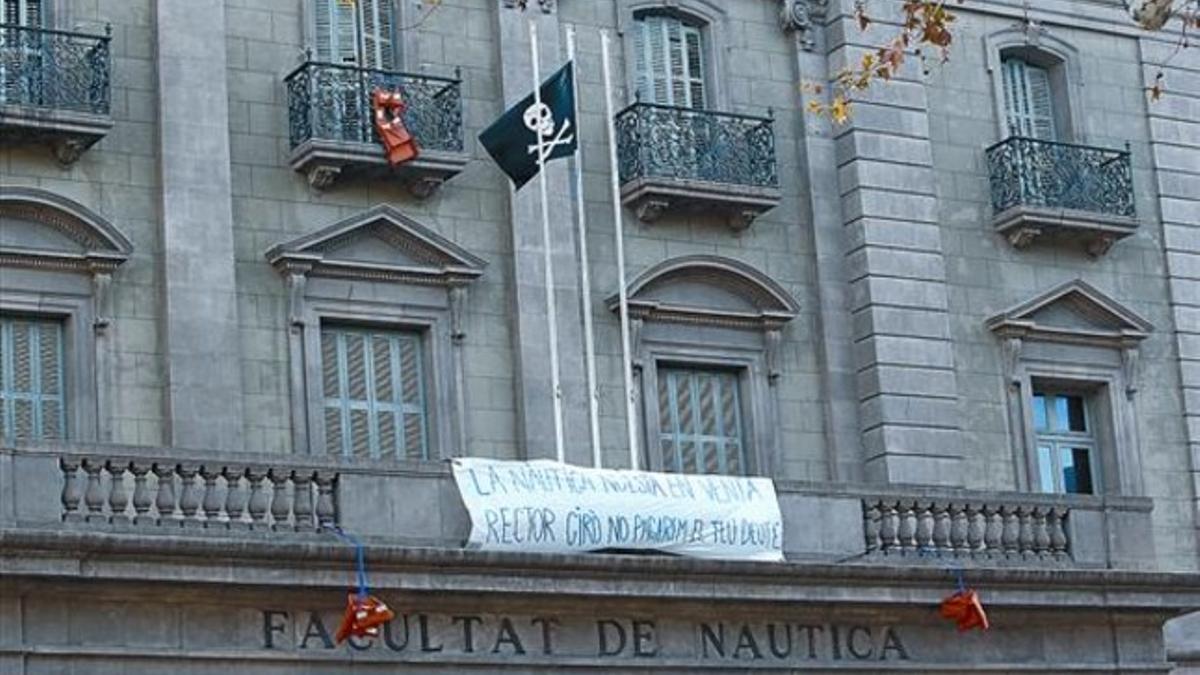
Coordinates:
548	507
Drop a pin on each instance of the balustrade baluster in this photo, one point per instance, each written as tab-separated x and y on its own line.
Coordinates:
872	526
1012	532
326	515
212	498
993	535
1027	541
941	529
260	499
72	491
302	501
908	527
958	529
235	498
142	500
94	497
975	529
189	501
118	498
890	529
164	501
924	537
1058	533
281	507
1041	532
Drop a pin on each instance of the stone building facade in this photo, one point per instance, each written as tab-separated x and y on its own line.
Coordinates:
960	331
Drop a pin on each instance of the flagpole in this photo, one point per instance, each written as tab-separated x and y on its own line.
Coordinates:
589	338
619	218
547	259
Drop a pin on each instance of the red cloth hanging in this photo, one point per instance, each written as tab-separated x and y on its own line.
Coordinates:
966	610
398	144
363	617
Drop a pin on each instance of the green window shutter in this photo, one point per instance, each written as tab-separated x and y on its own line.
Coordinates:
374	394
669	61
700	427
1028	100
32	396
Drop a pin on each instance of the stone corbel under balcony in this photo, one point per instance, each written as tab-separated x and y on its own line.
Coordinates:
652	197
67	132
325	161
1096	232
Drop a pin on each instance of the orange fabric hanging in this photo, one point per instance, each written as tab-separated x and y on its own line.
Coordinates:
363	617
966	610
398	144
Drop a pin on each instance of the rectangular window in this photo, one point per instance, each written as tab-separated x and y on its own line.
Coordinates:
700	421
1028	100
359	32
32	402
1065	443
669	60
374	392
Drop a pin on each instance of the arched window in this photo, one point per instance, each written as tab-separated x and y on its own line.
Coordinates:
357	32
1028	99
670	55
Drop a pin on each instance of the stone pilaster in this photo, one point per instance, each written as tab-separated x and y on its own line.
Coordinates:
1175	150
898	298
535	412
200	322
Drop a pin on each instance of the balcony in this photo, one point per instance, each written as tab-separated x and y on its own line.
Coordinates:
1044	190
54	88
683	160
331	129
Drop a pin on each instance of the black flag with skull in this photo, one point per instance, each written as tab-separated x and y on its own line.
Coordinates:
512	140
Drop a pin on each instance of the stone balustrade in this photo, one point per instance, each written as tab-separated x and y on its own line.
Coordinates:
991	531
164	493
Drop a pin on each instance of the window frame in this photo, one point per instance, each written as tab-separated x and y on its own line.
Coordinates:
1061	60
712	22
1059	441
741	365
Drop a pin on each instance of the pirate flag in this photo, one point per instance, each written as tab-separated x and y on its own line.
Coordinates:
512	140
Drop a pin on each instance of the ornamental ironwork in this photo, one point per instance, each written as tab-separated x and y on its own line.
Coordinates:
332	102
657	141
1047	174
54	70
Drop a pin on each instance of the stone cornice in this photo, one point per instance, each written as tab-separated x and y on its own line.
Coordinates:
104	247
1128	329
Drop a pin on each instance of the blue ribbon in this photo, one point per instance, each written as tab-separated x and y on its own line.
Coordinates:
360	559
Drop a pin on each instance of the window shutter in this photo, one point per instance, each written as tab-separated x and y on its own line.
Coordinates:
1028	100
23	12
700	427
32	401
660	90
641	60
695	67
378	22
413	398
336	29
332	391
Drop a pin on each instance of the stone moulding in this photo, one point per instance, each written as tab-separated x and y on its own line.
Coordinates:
324	162
102	247
1109	323
652	197
69	134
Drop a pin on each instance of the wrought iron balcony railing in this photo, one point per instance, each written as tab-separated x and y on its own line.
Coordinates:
1044	174
331	102
656	141
54	70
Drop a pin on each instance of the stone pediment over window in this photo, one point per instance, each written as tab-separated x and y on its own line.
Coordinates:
709	290
40	229
380	244
1076	313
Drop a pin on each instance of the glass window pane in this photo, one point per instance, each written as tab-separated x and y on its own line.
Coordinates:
1046	469
1060	413
1077	471
1039	412
699	425
1076	420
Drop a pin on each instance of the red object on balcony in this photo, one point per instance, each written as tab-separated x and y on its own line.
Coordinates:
966	610
363	616
398	143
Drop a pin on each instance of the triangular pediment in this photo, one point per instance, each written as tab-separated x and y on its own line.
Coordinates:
1072	312
379	244
39	228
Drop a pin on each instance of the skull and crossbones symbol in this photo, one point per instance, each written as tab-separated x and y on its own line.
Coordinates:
540	120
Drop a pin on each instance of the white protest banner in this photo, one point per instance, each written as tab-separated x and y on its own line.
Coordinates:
550	507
